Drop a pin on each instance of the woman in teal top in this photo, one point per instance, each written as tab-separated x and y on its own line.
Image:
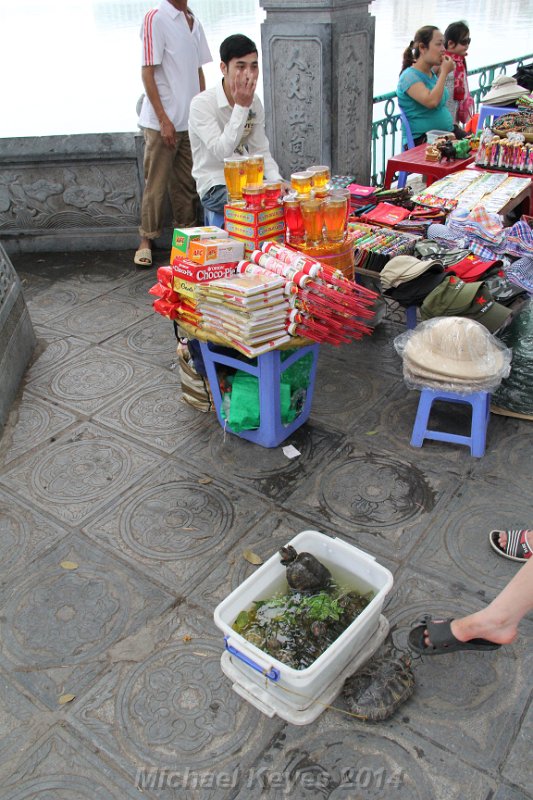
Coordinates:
422	93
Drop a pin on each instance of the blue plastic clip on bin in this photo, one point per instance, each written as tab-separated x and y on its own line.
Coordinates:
480	402
271	431
485	112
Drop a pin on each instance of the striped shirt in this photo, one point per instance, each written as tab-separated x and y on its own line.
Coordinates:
177	53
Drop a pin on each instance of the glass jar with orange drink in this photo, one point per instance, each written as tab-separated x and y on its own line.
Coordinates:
235	176
313	218
334	210
302	182
321	176
255	169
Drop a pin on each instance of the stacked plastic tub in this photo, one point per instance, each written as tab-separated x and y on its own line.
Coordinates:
299	696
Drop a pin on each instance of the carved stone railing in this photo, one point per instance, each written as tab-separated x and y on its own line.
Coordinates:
70	192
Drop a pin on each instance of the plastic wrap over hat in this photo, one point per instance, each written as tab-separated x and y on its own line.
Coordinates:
404	268
451	298
504	89
455	347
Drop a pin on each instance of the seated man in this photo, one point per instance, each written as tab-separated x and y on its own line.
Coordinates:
228	119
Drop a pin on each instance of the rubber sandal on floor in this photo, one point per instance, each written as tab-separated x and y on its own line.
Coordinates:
442	639
516	547
143	257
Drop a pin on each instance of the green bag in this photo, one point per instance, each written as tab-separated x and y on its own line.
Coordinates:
244	403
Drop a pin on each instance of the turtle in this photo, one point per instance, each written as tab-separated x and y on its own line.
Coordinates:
304	572
375	691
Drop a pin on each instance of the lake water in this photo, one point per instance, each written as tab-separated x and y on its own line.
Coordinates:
73	66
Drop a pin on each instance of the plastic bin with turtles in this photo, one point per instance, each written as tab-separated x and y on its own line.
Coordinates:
260	674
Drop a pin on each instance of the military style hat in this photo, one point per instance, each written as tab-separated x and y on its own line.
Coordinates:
450	298
404	268
486	310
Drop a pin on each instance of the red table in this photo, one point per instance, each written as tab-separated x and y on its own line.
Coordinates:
414	160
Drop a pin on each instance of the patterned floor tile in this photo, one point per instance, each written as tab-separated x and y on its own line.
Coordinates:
174	710
20	722
36	422
338	759
93	380
383	499
469	703
59	623
154	414
266	470
78	474
517	767
100	318
343	396
60	767
177	527
53	350
457	543
136	289
24	534
56	300
152	340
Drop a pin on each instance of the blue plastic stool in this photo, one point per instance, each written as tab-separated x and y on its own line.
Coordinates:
271	431
480	402
213	218
410	317
490	111
402	176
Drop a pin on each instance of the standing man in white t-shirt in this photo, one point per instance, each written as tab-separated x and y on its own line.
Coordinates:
174	50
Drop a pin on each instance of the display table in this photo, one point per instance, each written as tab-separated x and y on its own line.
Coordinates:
525	194
414	160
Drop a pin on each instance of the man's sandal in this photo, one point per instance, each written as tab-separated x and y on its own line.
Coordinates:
143	257
442	640
516	547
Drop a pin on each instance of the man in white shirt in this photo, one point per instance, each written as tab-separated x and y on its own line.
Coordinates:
174	50
228	119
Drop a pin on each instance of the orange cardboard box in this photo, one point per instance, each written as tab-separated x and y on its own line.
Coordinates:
215	251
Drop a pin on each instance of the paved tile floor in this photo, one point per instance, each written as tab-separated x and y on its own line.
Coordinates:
102	464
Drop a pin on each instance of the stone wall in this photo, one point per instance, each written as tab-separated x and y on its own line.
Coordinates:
69	193
17	338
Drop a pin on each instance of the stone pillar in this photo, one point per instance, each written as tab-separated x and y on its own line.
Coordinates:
318	75
17	338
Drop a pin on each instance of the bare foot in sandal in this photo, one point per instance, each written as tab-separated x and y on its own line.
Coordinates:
512	544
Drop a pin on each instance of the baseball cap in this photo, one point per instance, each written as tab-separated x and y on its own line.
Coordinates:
414	292
486	310
400	269
450	298
473	267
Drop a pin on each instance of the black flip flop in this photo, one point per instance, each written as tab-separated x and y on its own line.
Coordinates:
442	639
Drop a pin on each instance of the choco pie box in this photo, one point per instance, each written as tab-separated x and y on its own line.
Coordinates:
186	274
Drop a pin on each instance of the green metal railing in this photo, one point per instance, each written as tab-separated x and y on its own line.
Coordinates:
387	131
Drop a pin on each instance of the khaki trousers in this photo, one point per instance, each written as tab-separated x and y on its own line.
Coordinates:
167	169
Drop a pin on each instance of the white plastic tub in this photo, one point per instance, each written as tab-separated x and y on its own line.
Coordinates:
432	135
274	687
